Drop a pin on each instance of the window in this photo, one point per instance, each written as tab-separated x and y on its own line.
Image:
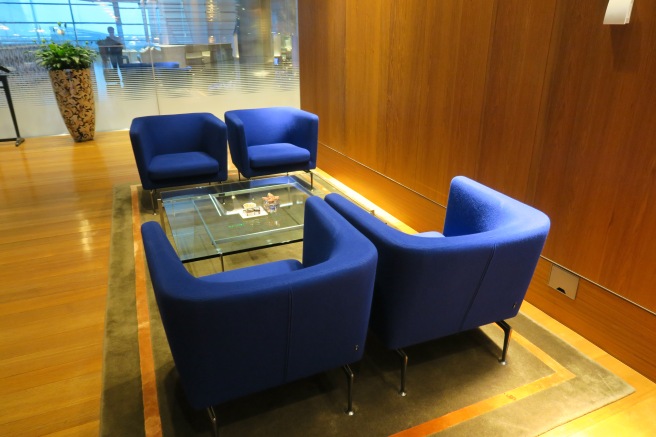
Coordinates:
162	57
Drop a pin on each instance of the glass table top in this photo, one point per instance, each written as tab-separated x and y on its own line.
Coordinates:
235	217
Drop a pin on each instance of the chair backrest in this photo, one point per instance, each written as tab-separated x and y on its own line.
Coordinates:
476	274
258	126
246	330
174	133
177	133
276	125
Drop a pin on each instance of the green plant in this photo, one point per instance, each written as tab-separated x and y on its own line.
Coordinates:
64	56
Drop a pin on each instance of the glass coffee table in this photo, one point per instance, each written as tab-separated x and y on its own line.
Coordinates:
229	218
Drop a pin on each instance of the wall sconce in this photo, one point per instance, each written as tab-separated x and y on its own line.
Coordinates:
618	12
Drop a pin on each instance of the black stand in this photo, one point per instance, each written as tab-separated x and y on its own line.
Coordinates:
10	103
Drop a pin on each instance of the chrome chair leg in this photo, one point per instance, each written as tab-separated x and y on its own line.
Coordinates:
404	368
349	380
212	414
507	330
152	201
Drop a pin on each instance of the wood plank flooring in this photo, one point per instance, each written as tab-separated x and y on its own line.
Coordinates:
55	217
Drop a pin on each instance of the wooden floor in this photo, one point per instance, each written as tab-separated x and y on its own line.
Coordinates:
55	216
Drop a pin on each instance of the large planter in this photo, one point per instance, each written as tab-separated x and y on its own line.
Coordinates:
74	95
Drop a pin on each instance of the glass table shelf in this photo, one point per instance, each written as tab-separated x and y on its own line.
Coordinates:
211	221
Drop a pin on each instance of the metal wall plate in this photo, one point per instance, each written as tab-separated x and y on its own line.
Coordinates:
564	281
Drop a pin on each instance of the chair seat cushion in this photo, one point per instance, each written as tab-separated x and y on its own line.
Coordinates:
182	165
270	155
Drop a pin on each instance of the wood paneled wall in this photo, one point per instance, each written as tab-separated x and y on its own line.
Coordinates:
535	98
596	174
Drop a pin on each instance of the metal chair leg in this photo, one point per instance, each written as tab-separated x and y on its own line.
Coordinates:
507	330
349	380
212	414
152	202
404	368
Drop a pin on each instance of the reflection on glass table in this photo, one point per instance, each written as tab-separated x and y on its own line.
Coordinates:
235	217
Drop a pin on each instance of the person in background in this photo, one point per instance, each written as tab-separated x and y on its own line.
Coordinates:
111	49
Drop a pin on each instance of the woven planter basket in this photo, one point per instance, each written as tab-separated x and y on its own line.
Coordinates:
74	95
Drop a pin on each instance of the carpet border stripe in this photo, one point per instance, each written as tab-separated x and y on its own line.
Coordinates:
560	375
152	418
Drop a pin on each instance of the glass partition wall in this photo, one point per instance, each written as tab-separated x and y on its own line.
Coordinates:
155	57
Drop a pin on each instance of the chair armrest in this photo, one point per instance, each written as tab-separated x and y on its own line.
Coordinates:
140	137
332	294
372	227
305	132
214	139
237	139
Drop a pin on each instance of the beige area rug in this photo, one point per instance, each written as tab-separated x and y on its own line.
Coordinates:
455	385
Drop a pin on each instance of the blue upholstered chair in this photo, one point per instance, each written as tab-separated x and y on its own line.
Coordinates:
431	285
245	330
179	149
267	141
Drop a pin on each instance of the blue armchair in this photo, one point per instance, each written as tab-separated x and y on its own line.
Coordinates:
179	149
432	285
245	330
267	141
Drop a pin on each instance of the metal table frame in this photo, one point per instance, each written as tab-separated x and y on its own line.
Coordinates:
5	85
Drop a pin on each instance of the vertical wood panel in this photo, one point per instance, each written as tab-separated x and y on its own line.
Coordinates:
367	58
629	249
466	108
322	30
436	92
411	73
515	81
597	170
